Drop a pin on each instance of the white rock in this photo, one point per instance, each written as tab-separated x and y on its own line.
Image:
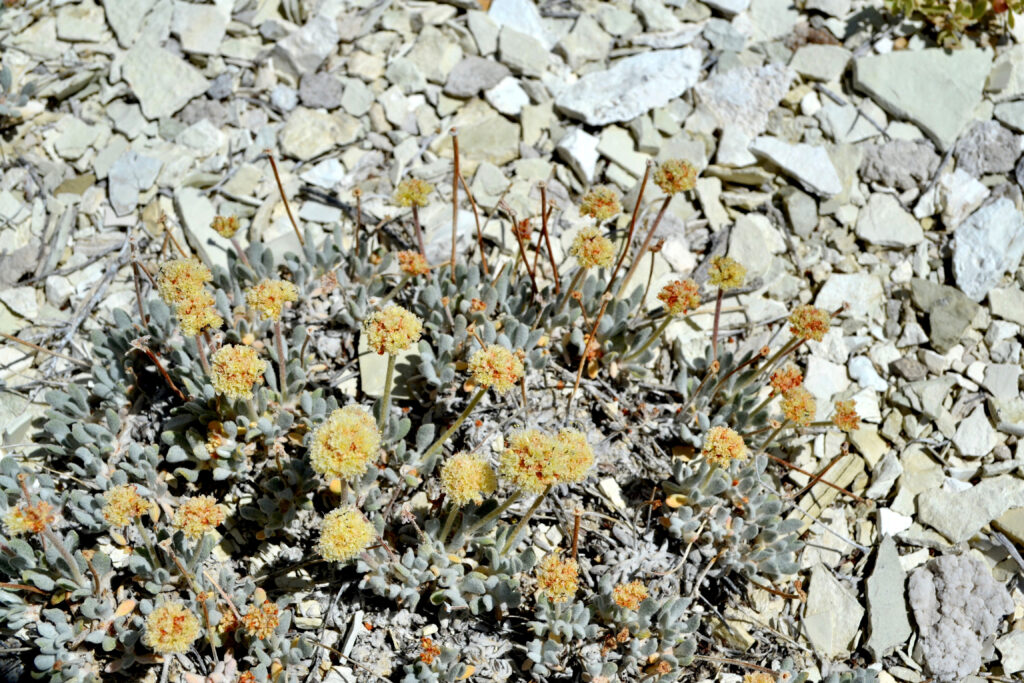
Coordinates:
862	370
821	62
523	16
753	241
863	292
131	173
507	97
21	300
200	28
305	49
579	149
728	7
808	164
1011	647
743	96
326	174
126	17
891	523
986	245
202	136
733	147
824	379
885	223
309	132
975	436
832	614
76	138
958	516
82	21
632	86
162	81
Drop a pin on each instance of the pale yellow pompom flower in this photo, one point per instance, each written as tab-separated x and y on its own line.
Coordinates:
798	406
808	322
675	175
574	456
496	367
558	579
198	515
413	192
845	416
269	297
181	278
601	203
467	478
629	595
726	273
345	444
197	312
681	296
234	369
413	263
344	533
592	249
170	628
225	226
722	445
123	505
30	518
392	329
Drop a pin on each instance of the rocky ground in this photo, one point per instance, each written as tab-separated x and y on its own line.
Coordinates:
843	158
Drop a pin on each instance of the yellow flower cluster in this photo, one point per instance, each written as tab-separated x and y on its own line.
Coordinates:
845	416
591	248
726	273
234	369
123	505
785	378
808	322
225	226
722	445
392	329
412	192
29	518
344	534
601	203
759	677
675	175
262	621
413	263
467	478
198	515
558	579
197	313
681	296
181	283
345	444
269	297
629	595
170	628
534	460
496	367
798	406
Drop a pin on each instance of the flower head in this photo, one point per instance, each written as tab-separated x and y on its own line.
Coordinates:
198	515
261	621
558	579
759	677
225	226
344	534
601	202
723	445
798	406
234	369
785	378
123	505
573	457
392	329
726	273
534	460
269	296
591	248
170	628
496	367
467	478
675	175
345	444
845	416
681	296
629	595
413	263
29	517
197	312
412	192
808	322
181	278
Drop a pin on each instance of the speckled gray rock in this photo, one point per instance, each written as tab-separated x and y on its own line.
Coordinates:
632	86
162	81
743	96
987	148
320	91
900	164
306	48
957	606
888	624
885	223
949	312
809	165
986	245
473	75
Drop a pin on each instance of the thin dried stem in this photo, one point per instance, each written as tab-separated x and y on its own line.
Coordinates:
29	344
632	227
419	230
522	247
280	188
479	229
547	238
455	196
643	246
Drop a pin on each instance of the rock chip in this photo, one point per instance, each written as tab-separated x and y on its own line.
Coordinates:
1011	647
957	606
936	89
82	21
162	81
523	16
809	165
631	87
862	291
586	42
507	97
473	75
959	515
522	53
987	148
322	91
986	245
821	62
832	615
579	149
885	223
200	28
887	607
900	164
306	48
126	17
974	437
309	132
744	96
131	173
949	310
